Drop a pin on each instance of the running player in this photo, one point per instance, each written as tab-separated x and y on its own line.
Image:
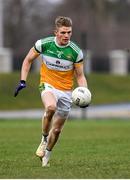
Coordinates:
62	59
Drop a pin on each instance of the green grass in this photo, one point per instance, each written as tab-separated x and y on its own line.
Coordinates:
105	89
108	88
28	98
86	149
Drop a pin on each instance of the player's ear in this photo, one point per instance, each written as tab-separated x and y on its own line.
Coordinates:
55	32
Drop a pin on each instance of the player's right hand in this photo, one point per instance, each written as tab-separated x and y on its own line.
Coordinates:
21	85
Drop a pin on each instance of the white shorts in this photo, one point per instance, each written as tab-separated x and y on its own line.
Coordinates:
63	98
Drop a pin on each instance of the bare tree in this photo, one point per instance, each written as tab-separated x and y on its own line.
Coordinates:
25	22
98	25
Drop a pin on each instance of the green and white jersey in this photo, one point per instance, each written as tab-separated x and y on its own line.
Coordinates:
58	60
58	57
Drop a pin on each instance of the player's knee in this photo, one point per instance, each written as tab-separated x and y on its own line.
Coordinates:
51	109
56	131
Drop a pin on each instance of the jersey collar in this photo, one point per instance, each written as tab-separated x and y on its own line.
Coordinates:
59	45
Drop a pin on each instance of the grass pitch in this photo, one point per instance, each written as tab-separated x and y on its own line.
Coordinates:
112	89
86	149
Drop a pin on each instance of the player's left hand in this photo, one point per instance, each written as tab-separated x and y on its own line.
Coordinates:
21	85
84	106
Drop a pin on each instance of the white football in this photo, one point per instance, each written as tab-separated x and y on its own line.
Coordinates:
81	96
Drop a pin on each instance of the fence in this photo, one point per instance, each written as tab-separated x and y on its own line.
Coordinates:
115	62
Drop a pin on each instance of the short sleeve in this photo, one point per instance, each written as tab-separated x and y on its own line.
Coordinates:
80	56
38	46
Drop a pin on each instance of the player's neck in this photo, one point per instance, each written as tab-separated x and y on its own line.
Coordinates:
57	42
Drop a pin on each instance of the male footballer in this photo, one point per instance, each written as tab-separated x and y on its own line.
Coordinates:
62	60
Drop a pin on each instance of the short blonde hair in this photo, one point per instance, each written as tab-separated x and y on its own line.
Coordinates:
63	21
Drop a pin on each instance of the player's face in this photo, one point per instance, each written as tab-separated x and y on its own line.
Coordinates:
63	35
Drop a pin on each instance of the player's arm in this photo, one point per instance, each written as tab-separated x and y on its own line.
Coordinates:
27	62
31	56
79	74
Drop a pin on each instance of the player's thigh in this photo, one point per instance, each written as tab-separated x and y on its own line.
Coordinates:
48	99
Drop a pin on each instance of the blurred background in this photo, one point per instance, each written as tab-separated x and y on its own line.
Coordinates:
101	28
